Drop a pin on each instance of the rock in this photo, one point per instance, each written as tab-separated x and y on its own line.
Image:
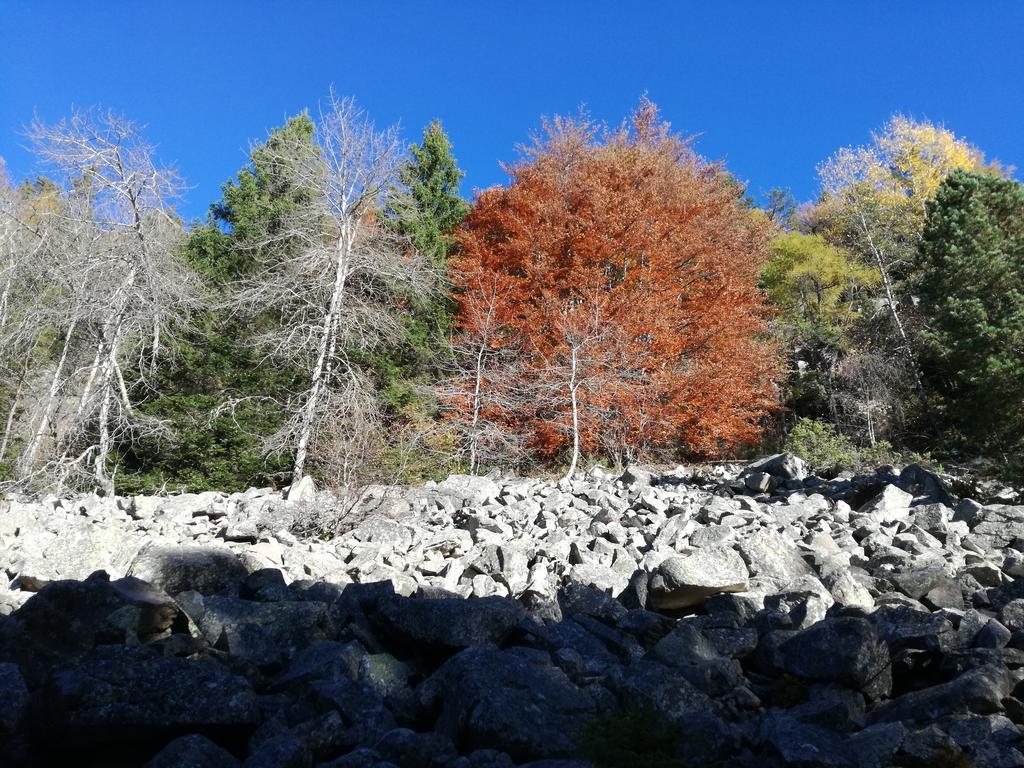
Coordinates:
998	526
259	633
668	691
14	695
635	477
683	582
515	702
451	623
528	622
846	590
980	691
892	504
920	482
176	569
775	560
118	696
98	610
784	465
844	650
193	751
408	749
760	482
303	491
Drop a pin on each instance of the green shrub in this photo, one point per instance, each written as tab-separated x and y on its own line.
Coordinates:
828	451
822	446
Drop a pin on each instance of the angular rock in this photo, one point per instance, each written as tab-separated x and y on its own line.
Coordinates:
193	751
208	570
892	504
844	650
452	623
980	691
684	581
784	465
126	698
515	702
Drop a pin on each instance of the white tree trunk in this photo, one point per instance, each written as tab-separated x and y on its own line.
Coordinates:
573	388
322	365
32	450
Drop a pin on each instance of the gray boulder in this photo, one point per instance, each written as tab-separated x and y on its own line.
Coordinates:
118	694
892	504
684	581
451	623
782	465
176	569
843	650
513	701
193	751
979	691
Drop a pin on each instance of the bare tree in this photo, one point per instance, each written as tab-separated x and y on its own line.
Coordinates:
118	287
485	382
336	294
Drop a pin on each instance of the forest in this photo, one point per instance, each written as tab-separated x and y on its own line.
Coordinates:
344	313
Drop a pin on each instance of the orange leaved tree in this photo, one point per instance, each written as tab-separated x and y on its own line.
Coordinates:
620	271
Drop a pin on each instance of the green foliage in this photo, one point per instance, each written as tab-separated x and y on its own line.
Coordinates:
822	446
813	282
828	451
971	289
427	210
219	399
817	288
639	736
431	206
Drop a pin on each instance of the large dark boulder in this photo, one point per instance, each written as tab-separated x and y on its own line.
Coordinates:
174	569
193	751
258	633
67	619
449	623
515	701
980	691
121	701
844	650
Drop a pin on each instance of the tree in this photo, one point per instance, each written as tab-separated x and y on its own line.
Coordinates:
625	270
873	203
116	289
424	209
819	290
336	294
809	279
874	197
971	289
215	391
428	206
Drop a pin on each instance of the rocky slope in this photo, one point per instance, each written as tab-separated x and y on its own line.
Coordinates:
737	617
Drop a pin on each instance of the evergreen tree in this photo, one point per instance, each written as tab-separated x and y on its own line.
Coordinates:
219	398
971	293
426	210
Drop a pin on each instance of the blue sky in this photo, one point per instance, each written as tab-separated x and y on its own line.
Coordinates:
771	88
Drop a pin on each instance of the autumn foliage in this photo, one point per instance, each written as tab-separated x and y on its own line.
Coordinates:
619	271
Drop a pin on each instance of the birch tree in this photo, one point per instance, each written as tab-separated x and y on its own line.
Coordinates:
334	295
484	387
113	253
873	203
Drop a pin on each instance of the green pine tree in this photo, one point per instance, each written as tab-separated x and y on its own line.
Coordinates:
970	288
428	210
218	396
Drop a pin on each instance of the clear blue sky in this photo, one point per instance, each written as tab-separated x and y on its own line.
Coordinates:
772	88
